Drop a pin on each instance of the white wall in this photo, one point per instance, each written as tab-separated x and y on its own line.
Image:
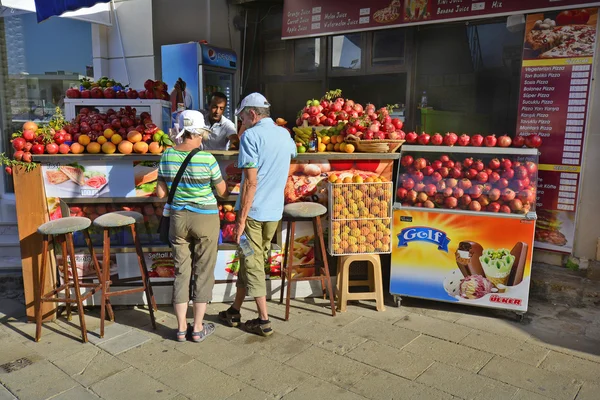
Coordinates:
135	22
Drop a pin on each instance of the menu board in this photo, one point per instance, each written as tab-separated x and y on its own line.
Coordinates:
555	86
304	18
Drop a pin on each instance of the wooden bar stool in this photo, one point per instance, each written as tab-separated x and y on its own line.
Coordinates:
312	212
123	219
62	230
374	281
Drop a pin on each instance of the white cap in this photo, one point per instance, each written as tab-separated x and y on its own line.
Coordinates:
191	121
253	100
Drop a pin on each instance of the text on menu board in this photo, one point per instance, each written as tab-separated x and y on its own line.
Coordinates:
303	18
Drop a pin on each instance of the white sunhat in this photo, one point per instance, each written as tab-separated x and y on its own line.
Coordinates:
253	100
191	121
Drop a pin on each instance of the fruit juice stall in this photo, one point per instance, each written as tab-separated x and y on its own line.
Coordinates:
106	159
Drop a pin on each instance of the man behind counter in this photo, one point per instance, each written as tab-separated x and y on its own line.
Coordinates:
222	129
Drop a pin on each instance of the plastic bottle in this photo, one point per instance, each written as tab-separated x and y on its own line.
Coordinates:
312	143
245	246
424	99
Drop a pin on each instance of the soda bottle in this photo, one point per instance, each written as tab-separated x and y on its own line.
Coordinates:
424	100
312	143
245	246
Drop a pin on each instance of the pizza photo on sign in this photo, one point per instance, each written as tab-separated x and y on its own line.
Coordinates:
564	35
388	14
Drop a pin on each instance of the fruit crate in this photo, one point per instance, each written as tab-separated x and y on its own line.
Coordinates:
360	218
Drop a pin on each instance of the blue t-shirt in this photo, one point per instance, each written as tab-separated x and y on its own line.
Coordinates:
269	148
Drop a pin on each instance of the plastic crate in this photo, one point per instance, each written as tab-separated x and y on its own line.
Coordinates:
360	218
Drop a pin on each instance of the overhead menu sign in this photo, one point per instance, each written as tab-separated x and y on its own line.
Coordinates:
556	75
305	18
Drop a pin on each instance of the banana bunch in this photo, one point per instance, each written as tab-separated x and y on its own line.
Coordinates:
302	135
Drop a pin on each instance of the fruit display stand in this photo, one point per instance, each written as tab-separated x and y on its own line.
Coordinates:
160	110
463	225
92	184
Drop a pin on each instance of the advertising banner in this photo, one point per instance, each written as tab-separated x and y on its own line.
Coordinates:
556	76
479	260
304	18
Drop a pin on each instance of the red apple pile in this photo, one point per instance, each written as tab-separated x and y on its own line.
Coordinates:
500	185
152	90
366	123
477	140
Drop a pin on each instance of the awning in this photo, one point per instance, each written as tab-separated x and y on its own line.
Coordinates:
95	11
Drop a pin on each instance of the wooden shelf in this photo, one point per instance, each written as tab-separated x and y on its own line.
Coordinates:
155	248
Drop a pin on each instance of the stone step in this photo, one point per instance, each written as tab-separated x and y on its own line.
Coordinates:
10	245
563	286
10	265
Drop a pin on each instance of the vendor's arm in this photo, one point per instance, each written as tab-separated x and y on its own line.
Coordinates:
231	133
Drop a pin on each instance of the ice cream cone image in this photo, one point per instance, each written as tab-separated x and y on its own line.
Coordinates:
497	265
467	258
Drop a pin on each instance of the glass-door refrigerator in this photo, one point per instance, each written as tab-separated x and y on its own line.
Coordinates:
197	70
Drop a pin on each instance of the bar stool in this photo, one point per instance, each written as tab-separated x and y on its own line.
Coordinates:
62	229
123	219
298	212
374	281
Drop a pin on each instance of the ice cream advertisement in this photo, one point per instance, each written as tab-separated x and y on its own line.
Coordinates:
477	260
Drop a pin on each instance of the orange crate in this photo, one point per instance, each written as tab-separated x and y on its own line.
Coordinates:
360	218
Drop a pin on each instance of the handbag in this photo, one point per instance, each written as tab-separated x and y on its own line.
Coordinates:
165	222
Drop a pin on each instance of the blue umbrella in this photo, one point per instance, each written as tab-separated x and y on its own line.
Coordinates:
49	8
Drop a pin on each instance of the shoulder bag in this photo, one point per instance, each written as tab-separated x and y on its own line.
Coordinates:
165	222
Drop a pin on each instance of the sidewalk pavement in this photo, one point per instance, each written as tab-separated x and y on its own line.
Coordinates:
423	350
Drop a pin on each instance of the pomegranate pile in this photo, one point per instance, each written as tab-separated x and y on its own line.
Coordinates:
466	183
110	89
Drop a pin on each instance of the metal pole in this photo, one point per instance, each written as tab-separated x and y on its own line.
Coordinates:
120	39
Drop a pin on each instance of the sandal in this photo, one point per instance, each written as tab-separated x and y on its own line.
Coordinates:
182	335
207	330
230	319
254	326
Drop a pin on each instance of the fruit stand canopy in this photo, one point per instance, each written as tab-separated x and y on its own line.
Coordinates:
95	11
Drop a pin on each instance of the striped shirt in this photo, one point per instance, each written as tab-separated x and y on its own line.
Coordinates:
194	192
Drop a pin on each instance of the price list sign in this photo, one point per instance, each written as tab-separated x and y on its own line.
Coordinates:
555	87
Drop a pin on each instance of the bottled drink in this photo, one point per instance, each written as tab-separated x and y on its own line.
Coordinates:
245	246
424	100
312	143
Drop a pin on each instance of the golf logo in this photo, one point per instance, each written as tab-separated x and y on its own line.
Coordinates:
423	234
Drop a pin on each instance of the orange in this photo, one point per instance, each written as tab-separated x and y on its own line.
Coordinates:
108	133
93	147
116	138
336	147
108	147
125	147
349	148
330	147
84	140
343	147
321	148
325	140
76	148
155	148
134	137
30	126
140	147
101	140
333	139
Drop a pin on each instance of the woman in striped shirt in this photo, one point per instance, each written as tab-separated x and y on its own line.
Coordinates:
194	229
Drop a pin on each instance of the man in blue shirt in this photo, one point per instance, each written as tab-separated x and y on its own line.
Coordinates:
265	154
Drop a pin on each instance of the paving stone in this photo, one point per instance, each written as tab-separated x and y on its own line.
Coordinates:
111	331
497	326
23	331
250	393
200	381
390	359
529	353
449	353
11	350
589	391
155	359
434	327
449	315
125	342
336	340
77	393
179	397
381	385
523	394
278	347
54	346
570	366
5	394
267	375
530	378
382	332
215	352
368	310
318	389
491	343
592	355
90	366
333	368
465	384
339	321
132	384
11	308
280	325
49	381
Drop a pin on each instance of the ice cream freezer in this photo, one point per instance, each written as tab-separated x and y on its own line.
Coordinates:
464	223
